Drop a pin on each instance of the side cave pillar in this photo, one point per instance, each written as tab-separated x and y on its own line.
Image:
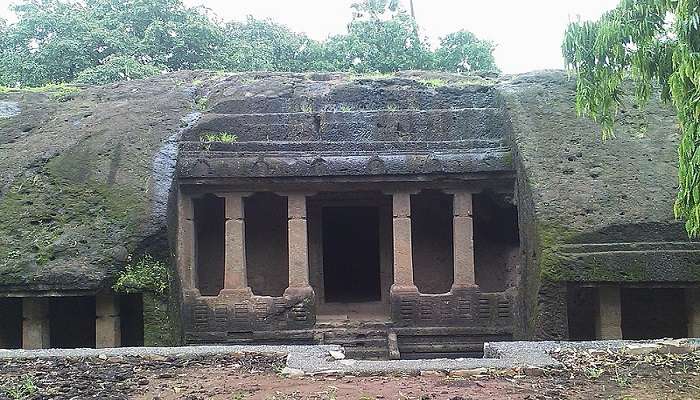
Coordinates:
185	242
463	241
608	321
693	307
108	321
403	250
235	274
36	331
299	286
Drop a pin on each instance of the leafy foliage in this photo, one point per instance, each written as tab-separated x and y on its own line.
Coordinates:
381	38
144	275
116	68
101	41
221	137
263	45
462	51
655	43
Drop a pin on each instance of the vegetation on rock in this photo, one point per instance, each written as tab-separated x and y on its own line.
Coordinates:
219	137
102	41
144	274
657	44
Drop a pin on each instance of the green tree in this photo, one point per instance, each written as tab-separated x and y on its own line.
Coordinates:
462	51
263	45
54	40
381	37
116	68
100	41
655	43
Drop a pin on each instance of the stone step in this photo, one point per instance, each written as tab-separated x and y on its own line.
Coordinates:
359	342
367	353
293	95
358	126
422	356
474	347
449	339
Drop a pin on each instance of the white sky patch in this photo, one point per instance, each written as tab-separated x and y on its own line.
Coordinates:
527	33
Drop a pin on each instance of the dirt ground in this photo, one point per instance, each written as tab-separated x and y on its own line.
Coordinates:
584	375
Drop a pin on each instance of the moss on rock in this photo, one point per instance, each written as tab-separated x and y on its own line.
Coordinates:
160	321
46	218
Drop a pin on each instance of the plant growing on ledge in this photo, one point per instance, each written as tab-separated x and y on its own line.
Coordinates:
145	275
218	137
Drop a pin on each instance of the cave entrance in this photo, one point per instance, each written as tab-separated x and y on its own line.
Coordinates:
653	313
72	321
351	262
10	322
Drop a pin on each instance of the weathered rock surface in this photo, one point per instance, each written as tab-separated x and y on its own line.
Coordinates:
79	180
85	180
592	210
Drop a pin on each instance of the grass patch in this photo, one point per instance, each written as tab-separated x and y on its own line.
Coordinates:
202	103
434	83
219	137
21	390
55	91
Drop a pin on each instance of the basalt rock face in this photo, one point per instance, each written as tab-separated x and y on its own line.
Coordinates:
82	183
592	211
328	125
85	181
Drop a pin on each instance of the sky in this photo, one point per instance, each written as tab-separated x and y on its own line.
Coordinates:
527	33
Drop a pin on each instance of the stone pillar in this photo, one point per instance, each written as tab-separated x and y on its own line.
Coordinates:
403	256
108	321
298	246
185	242
235	274
692	296
463	240
608	322
36	331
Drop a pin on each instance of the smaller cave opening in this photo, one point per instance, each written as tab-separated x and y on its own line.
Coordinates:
10	322
496	241
72	322
581	309
431	232
210	223
266	248
131	322
653	313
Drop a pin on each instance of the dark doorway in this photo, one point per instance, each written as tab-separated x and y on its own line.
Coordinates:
582	305
72	322
131	313
351	254
10	323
